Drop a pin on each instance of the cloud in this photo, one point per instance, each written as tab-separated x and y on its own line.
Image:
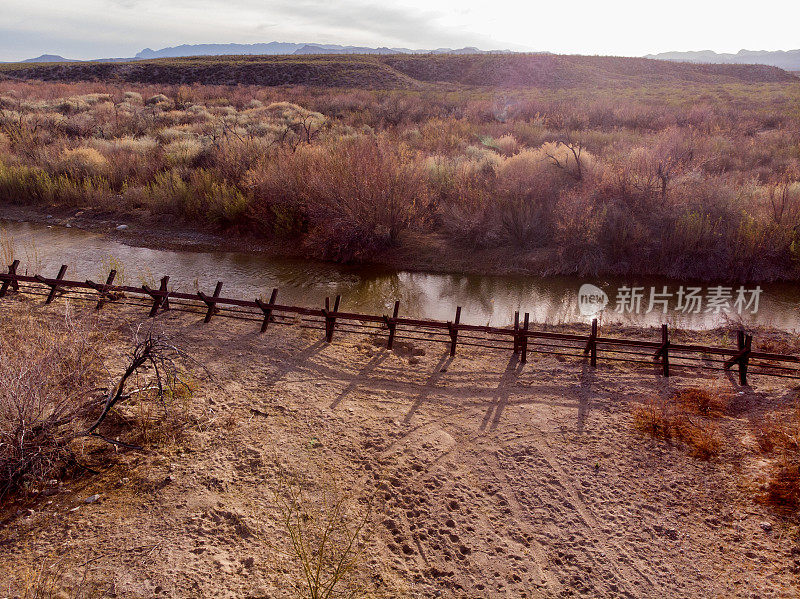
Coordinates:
384	25
101	28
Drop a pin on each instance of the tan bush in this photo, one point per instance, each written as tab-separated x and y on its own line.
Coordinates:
507	145
183	151
783	488
84	162
703	402
159	100
71	106
778	436
686	417
135	145
43	391
528	186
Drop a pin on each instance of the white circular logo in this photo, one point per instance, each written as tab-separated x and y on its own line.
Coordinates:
591	299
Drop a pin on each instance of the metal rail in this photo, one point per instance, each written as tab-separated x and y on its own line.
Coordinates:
523	339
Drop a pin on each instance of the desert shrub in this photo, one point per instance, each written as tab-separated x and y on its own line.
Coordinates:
303	123
31	185
327	532
72	106
528	188
234	157
655	419
159	100
83	162
783	487
506	145
509	202
778	436
212	200
183	151
56	398
166	193
358	196
135	145
168	135
686	417
43	395
703	438
704	402
133	97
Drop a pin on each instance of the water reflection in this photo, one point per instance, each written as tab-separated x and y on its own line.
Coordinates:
484	299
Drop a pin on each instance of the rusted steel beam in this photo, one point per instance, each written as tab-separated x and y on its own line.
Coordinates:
211	301
10	279
54	284
742	357
453	330
330	317
103	290
160	297
524	347
391	324
663	351
591	345
267	309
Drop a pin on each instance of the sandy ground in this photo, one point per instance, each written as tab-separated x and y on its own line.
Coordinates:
488	478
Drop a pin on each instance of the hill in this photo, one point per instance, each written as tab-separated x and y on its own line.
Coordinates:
266	49
400	71
48	58
789	59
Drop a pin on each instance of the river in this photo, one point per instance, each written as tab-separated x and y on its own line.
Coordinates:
485	299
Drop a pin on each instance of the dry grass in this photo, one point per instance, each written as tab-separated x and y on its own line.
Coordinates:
47	388
783	488
687	417
703	402
53	579
779	438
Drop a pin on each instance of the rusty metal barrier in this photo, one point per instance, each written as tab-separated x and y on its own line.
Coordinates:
521	340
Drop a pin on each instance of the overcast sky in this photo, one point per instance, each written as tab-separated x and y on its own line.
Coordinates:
119	28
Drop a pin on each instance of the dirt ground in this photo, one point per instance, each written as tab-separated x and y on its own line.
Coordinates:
488	478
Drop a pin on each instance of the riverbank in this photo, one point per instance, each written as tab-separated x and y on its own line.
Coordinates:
486	478
416	251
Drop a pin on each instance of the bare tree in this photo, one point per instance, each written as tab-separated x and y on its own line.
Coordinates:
575	148
150	352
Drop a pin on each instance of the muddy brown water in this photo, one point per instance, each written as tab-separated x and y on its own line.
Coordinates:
484	299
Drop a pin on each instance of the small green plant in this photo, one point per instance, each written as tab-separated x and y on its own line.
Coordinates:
326	535
53	579
108	264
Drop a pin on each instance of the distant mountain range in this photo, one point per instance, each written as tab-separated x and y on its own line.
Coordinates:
269	49
785	59
789	59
